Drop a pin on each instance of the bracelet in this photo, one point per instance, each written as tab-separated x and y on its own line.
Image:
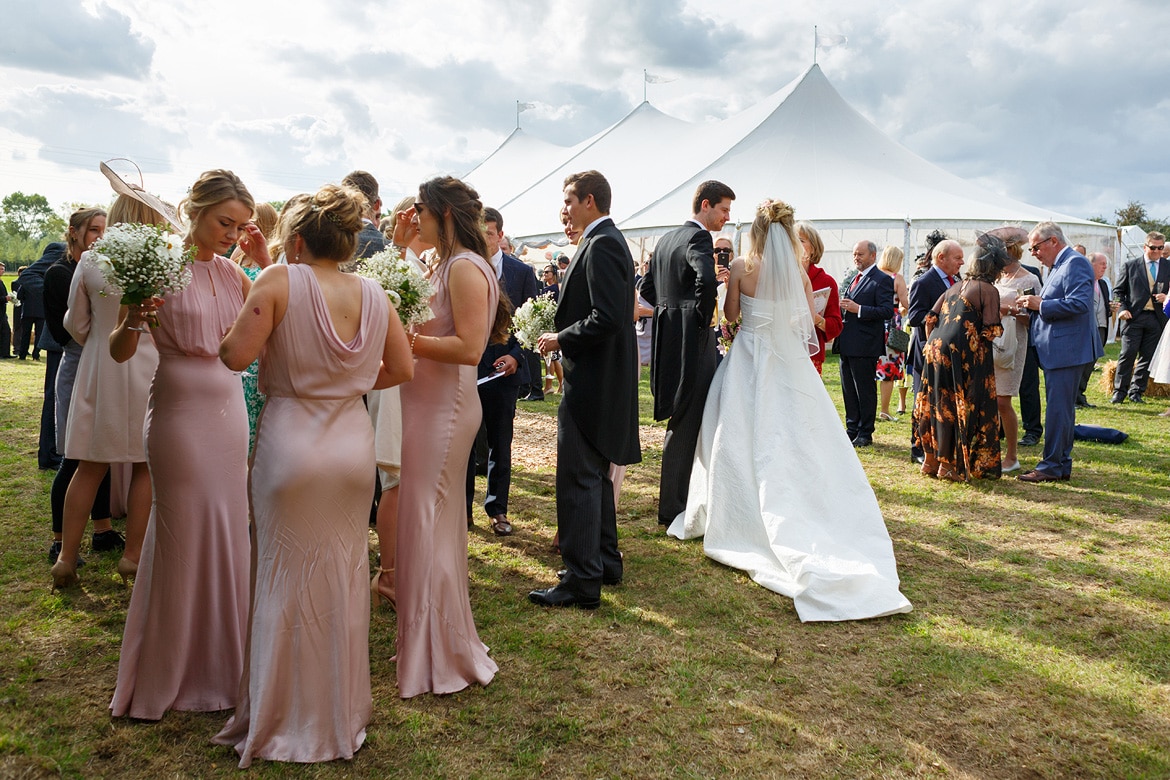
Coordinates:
413	336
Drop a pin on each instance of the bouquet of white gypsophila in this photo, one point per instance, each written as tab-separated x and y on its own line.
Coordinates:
536	316
143	261
409	291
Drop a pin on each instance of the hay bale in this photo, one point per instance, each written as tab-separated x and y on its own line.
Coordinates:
1153	389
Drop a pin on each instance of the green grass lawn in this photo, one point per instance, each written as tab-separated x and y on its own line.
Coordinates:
1039	644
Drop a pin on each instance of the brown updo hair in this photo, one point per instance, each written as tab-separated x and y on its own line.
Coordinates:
448	196
129	210
79	226
213	187
328	221
770	212
280	233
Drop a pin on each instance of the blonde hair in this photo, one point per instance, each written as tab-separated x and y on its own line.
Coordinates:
127	209
264	215
211	188
810	233
891	260
280	232
328	221
768	213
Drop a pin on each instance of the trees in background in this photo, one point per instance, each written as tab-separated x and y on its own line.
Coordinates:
27	224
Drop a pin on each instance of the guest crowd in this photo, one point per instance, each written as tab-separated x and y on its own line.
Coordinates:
252	426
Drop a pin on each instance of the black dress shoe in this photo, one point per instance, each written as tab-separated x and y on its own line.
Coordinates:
1118	398
1136	398
561	596
862	441
107	541
532	397
1029	440
606	579
919	459
55	552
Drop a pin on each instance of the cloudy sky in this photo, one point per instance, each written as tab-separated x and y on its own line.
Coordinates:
1067	108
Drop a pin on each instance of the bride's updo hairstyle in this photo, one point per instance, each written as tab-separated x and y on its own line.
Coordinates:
328	221
770	212
211	188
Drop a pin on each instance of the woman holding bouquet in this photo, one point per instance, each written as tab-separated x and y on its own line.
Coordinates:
183	646
329	337
438	647
108	407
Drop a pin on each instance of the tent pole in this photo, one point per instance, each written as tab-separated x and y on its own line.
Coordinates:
814	44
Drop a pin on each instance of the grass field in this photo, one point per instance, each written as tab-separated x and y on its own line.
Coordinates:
1039	644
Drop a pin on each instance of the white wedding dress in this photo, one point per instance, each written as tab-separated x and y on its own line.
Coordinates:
776	489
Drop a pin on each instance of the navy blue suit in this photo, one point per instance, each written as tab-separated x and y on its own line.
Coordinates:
1140	333
1065	335
498	397
862	339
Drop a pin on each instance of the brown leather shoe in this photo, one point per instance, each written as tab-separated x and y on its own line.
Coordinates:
501	526
1038	476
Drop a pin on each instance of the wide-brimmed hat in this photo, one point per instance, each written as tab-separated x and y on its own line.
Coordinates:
139	193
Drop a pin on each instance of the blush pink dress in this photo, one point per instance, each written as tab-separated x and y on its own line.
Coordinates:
438	648
107	414
183	645
305	693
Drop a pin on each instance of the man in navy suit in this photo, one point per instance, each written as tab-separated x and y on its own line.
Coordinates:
370	240
868	303
1141	287
1066	339
946	259
498	396
597	422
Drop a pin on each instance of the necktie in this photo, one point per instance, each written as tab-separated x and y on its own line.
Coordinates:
856	279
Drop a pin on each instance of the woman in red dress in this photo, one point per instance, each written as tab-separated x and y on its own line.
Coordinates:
826	319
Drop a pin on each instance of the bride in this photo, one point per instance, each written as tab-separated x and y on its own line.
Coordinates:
776	487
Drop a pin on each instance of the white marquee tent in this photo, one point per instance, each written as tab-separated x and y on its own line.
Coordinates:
803	144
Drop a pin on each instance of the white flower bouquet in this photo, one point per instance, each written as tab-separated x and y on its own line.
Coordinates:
409	291
143	261
536	316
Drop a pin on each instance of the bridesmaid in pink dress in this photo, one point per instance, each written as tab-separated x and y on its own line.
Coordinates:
328	337
108	408
183	645
438	648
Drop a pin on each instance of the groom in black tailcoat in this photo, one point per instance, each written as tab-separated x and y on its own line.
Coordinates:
597	422
681	285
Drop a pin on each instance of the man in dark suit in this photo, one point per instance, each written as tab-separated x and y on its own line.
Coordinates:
370	240
869	302
597	422
1031	409
1100	263
1141	287
946	260
5	330
498	396
681	284
1065	335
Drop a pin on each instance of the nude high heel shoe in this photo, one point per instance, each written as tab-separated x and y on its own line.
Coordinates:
64	575
377	592
127	569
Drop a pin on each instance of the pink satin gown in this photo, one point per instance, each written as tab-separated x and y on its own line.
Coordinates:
305	693
439	650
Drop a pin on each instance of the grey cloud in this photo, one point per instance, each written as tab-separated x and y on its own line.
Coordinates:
62	37
78	127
